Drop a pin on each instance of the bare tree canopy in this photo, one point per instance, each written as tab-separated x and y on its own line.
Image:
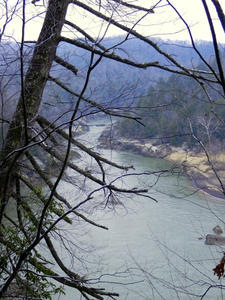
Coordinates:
38	149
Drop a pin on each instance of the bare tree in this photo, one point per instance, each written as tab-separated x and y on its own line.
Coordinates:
200	286
39	207
36	221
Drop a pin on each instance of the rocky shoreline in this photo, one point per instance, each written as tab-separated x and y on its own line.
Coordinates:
135	146
192	163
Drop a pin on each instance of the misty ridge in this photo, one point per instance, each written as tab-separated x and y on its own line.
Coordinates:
114	84
112	150
127	83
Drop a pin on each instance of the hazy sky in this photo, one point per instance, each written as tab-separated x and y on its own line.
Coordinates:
163	23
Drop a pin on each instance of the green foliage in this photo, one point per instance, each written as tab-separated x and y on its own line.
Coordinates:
170	107
16	236
31	280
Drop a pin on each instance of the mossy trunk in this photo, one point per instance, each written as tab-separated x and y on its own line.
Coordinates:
30	99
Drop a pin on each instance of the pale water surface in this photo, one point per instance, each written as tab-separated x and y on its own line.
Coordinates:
152	247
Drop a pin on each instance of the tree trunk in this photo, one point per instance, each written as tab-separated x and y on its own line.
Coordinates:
30	99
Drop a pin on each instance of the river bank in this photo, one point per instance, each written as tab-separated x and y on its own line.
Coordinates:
203	172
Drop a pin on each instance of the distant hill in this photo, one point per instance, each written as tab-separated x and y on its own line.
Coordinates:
111	83
113	75
173	110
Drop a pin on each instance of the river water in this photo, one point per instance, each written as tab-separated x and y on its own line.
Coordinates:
153	250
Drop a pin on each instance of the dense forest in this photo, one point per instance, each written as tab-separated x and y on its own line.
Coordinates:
165	103
173	109
122	84
127	83
56	186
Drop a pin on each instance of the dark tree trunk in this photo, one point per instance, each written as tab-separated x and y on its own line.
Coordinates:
30	99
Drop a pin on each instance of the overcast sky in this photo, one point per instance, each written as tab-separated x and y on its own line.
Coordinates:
163	23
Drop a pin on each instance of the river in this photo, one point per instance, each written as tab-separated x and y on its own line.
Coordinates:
155	250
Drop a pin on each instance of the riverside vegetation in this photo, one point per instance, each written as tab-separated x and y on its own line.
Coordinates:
46	90
179	124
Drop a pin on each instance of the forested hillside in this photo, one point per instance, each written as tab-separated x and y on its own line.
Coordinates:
164	104
127	82
127	77
173	109
58	188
